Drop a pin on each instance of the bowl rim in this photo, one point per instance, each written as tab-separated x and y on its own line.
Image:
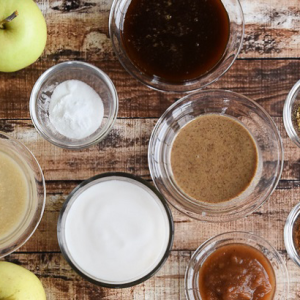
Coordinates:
287	113
177	104
40	215
39	126
60	230
288	234
234	235
152	84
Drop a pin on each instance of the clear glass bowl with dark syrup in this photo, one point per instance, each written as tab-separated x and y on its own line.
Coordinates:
176	46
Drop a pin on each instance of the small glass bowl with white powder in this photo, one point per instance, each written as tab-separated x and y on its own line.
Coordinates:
115	230
73	105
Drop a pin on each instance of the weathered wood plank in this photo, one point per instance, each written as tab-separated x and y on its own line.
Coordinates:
271	28
79	30
124	149
270	31
268	221
267	82
62	283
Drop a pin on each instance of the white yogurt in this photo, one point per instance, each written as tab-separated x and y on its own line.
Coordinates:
117	231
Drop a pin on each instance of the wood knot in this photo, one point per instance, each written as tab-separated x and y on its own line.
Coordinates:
73	5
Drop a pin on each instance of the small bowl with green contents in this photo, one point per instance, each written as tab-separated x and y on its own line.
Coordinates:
291	114
292	234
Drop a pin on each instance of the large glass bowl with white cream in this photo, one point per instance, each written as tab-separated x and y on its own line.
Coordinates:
115	230
200	154
73	105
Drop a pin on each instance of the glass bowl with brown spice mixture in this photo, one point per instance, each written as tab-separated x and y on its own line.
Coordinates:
292	234
291	114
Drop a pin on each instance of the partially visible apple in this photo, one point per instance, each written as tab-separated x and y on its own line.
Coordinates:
17	283
23	39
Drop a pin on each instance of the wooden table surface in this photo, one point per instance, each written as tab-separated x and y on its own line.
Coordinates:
267	68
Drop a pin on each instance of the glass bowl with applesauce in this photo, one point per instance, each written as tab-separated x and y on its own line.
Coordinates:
215	155
176	46
115	230
233	253
23	194
73	105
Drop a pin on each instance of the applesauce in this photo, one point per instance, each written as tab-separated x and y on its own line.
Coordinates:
237	272
296	235
214	158
14	195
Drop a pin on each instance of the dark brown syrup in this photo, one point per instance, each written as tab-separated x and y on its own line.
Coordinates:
175	40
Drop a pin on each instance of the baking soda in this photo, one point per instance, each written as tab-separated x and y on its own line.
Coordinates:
76	110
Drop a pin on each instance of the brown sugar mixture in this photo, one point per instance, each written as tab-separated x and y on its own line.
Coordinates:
237	272
213	158
175	40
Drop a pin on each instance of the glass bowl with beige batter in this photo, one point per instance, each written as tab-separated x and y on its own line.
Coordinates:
22	197
215	155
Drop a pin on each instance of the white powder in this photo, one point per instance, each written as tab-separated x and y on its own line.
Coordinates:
76	110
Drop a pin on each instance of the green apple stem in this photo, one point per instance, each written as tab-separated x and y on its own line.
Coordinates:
8	19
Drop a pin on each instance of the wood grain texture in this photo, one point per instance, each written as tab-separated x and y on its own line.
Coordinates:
79	30
189	233
270	29
267	68
266	81
124	150
62	283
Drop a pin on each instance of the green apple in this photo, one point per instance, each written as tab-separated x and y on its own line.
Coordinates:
23	39
17	283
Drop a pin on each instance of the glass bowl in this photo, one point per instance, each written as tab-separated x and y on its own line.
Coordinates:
208	247
253	117
41	96
289	113
289	234
236	18
36	194
61	228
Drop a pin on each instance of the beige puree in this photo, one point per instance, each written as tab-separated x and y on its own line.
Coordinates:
13	195
213	158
